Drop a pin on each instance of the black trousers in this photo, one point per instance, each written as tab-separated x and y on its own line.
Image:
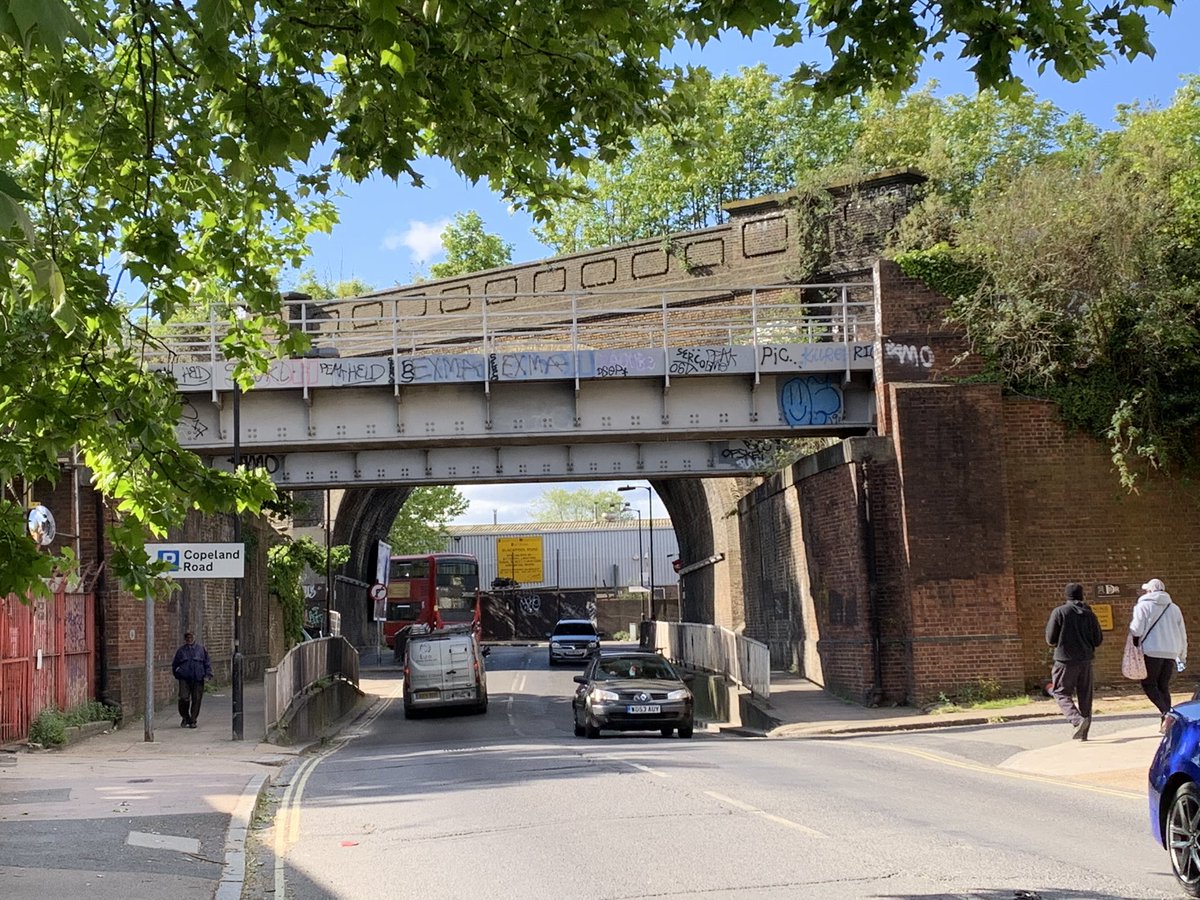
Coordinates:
190	695
1157	683
1072	679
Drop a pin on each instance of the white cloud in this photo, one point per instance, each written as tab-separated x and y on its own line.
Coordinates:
423	240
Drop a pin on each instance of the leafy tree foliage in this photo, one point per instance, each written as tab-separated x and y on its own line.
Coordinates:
286	562
1080	281
324	289
420	526
469	248
580	505
184	151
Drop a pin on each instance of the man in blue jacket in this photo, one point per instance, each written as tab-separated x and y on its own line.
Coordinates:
192	668
1074	632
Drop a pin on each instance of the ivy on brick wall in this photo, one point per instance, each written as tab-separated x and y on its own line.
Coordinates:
285	567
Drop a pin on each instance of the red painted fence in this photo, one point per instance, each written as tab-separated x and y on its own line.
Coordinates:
46	658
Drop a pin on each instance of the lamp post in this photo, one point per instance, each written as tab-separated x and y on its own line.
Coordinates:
236	672
650	499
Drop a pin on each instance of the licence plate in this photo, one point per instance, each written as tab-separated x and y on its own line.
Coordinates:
427	695
652	708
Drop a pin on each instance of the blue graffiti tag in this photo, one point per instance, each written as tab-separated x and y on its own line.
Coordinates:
811	400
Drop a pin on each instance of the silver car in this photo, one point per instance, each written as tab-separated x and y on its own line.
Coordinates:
573	640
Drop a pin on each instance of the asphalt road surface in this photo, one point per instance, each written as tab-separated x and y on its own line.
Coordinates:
511	805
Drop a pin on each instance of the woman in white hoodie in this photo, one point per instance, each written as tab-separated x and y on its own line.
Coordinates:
1157	627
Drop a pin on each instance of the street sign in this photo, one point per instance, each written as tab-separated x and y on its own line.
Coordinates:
378	591
200	560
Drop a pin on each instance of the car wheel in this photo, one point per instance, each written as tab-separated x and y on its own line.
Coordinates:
592	731
409	712
685	731
1183	836
579	729
667	732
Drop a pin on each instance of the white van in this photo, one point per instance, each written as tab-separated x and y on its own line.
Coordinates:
444	668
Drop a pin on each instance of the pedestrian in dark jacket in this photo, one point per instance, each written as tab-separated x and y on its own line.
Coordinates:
1074	632
192	668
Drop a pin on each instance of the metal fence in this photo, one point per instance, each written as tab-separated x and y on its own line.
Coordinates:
710	648
400	326
302	667
47	657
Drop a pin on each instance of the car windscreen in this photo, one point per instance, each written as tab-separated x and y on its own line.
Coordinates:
634	667
585	628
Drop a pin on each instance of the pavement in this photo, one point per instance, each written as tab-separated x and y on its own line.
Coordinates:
1117	754
115	785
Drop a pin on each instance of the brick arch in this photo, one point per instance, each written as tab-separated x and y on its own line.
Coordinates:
700	510
364	517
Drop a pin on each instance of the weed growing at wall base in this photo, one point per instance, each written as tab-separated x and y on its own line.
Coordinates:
50	726
985	693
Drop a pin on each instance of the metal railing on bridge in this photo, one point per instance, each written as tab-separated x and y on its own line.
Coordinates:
302	667
408	325
711	648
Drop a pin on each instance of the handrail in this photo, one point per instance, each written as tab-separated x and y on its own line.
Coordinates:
302	667
416	325
712	648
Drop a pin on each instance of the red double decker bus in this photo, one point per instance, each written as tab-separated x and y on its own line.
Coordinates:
432	589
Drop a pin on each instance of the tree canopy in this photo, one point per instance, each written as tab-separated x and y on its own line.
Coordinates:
161	155
580	505
420	526
469	248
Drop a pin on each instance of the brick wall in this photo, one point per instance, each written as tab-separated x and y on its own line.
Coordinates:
201	605
1072	521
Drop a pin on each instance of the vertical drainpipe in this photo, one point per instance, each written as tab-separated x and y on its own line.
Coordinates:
868	530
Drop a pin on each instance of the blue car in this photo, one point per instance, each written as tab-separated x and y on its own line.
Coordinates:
1175	794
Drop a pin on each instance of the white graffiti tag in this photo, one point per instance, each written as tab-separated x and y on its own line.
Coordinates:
910	354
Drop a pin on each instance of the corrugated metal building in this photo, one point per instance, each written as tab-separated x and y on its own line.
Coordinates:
571	555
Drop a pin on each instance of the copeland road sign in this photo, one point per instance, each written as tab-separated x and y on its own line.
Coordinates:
200	560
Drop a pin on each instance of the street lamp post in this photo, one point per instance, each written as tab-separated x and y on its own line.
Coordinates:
612	515
650	498
237	661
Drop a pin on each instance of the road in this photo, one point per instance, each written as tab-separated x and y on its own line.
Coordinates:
511	804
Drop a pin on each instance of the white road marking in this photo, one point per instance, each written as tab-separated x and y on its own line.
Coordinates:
163	842
770	817
646	769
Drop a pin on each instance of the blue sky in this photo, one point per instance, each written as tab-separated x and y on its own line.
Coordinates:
390	233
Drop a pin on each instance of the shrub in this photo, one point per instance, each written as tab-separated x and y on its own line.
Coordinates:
50	726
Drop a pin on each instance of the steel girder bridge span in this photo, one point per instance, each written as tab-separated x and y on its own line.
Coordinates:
587	386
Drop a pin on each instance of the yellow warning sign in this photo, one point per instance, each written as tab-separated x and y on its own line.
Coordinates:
520	558
1103	612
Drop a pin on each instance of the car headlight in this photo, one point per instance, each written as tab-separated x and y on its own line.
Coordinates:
555	645
680	695
592	645
601	694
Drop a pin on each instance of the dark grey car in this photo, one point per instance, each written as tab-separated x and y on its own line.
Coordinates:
632	691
